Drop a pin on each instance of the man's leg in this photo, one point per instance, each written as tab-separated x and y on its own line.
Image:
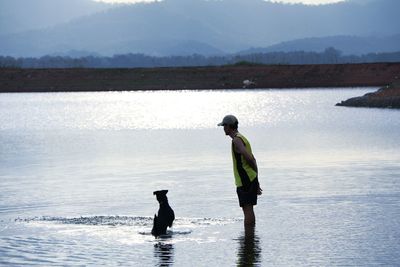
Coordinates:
249	217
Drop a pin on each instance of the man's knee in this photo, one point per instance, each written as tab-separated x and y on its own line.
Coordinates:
248	209
249	217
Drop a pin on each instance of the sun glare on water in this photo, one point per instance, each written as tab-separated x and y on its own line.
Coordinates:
307	2
125	1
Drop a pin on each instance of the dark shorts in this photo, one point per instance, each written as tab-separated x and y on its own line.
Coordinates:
248	194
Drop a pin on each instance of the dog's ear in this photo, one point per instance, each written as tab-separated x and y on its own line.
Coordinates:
160	192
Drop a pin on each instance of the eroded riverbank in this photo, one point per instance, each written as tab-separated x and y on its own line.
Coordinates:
224	77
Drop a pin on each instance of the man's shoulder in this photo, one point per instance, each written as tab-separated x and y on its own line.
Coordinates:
239	140
242	137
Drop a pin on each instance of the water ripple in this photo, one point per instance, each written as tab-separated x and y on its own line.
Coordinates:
125	221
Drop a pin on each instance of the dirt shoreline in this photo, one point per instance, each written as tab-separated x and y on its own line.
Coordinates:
198	78
385	97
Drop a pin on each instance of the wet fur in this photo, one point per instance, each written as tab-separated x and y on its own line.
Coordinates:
165	215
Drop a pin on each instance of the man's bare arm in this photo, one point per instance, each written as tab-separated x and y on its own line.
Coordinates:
240	148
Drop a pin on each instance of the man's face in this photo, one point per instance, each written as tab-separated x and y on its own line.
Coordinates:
227	129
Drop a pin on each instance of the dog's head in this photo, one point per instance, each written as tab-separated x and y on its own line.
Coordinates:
161	195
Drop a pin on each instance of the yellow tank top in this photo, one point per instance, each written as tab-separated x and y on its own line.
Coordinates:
244	174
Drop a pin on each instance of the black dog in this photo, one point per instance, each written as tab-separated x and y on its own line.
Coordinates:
165	214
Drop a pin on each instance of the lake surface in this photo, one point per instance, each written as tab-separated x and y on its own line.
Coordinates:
77	172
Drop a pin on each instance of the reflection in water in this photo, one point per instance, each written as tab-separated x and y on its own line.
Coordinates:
249	252
165	254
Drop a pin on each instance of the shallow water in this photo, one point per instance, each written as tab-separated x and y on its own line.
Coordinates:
77	172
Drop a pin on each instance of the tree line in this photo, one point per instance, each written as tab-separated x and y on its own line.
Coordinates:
329	56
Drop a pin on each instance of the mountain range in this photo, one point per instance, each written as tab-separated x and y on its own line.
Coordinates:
184	27
348	45
24	15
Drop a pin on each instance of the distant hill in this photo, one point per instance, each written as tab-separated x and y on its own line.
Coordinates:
174	27
23	15
349	45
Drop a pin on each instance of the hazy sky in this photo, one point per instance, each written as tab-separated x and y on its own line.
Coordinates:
313	2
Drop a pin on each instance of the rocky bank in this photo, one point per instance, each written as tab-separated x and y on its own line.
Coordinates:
385	97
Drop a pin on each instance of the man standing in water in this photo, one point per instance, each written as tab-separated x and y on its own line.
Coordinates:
244	168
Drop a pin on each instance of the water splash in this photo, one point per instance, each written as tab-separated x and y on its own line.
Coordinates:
139	221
